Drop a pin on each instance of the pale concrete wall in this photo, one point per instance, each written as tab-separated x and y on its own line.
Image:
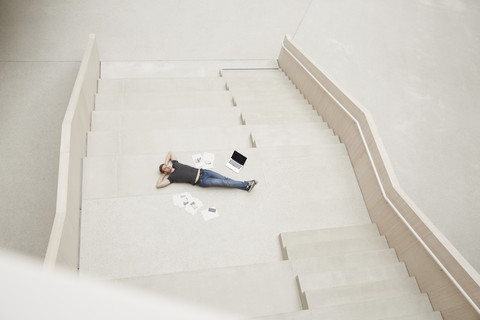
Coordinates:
415	65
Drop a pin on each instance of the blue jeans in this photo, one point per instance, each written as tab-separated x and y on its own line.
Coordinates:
209	178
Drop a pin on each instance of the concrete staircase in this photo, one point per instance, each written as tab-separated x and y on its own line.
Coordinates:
133	234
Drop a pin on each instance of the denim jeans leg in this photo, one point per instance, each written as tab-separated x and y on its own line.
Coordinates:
210	178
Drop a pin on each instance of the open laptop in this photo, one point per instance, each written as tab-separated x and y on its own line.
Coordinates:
236	162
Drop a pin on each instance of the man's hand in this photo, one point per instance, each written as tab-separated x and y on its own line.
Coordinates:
170	157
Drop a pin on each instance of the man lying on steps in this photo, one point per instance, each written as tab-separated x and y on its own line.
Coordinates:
180	172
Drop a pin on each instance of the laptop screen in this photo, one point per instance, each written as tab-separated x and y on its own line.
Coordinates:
239	157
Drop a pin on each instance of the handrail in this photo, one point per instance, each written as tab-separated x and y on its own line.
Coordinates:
385	196
63	245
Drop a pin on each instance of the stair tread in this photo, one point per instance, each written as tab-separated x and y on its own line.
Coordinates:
361	292
138	85
351	276
160	101
378	309
429	315
253	73
105	120
129	175
291	134
135	175
315	249
164	140
337	261
224	288
330	234
307	315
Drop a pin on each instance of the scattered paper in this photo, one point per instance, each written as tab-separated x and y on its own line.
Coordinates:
182	199
185	200
210	213
203	160
192	205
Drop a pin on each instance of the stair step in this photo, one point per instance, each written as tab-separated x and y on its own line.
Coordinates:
331	234
429	315
148	101
351	276
250	118
150	120
254	84
293	134
317	249
272	98
267	94
297	151
344	261
298	315
253	74
289	111
178	68
361	292
377	309
139	85
161	141
123	176
248	291
130	175
273	107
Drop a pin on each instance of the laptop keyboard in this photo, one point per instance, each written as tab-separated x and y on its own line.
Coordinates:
235	164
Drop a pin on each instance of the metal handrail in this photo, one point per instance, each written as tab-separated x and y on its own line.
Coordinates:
377	176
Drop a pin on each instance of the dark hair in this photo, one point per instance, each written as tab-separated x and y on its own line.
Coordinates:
161	167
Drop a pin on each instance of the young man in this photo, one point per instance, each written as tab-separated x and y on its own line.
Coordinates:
179	172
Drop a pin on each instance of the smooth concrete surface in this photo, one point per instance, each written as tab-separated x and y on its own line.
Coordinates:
364	292
248	291
59	295
33	100
148	30
178	68
131	229
122	236
414	64
351	276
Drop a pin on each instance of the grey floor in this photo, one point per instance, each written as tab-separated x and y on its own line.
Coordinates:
413	64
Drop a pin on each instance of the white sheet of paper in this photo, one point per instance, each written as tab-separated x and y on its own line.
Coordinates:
203	160
193	206
210	213
207	160
197	160
182	199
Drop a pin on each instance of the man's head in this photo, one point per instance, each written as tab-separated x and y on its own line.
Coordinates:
165	168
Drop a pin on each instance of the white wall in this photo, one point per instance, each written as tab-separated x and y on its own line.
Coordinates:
415	65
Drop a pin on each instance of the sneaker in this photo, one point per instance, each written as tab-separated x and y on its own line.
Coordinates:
251	184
